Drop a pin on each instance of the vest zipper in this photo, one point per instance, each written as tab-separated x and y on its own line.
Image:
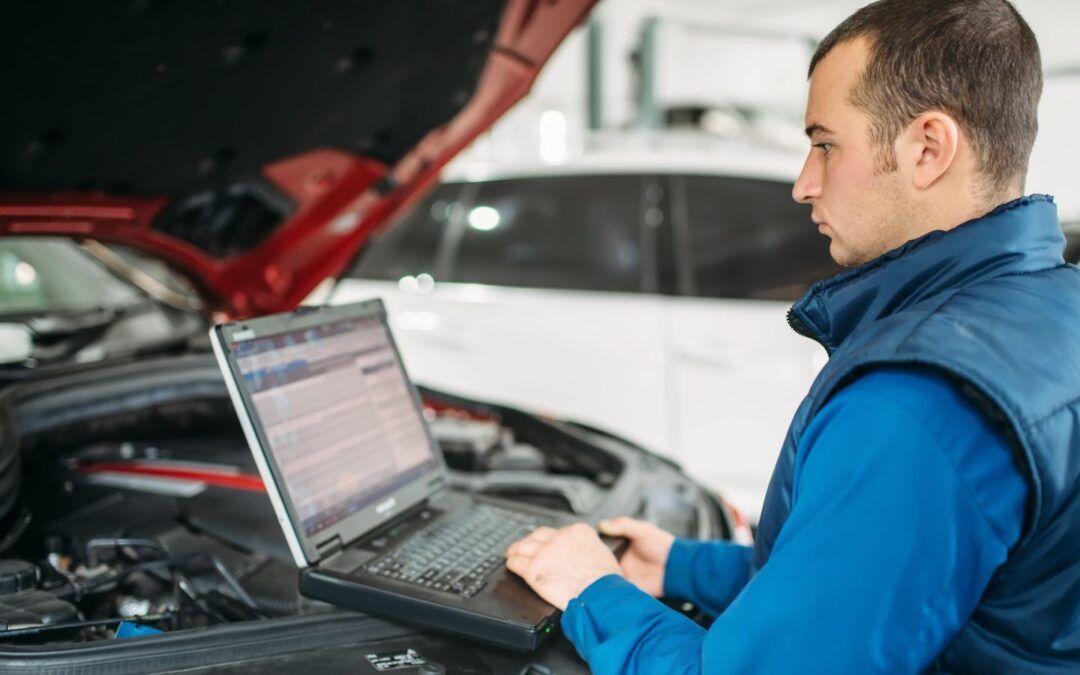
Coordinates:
797	324
801	328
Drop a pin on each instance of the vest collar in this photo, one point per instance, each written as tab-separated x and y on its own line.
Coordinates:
1017	237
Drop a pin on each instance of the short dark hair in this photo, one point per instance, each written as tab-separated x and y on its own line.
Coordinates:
976	60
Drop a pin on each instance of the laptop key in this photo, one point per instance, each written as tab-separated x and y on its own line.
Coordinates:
472	590
449	577
458	553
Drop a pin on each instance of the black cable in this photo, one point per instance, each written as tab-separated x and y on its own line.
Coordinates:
91	585
126	542
36	630
17	530
188	588
232	582
181	582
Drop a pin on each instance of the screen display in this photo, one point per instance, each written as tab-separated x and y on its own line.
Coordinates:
338	414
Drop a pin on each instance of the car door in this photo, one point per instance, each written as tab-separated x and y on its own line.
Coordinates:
738	371
538	297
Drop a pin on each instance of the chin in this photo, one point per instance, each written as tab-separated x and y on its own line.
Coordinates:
842	256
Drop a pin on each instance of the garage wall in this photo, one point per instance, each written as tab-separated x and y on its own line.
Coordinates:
755	52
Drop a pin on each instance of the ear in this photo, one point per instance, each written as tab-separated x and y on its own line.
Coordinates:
933	140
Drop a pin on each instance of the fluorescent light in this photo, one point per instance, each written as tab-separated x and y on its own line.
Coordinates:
425	283
484	218
553	137
25	274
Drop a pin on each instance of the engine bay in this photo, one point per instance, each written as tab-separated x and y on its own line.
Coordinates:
140	512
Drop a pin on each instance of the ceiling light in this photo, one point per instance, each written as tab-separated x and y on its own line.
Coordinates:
484	218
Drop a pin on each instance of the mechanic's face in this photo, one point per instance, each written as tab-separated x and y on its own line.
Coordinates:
857	205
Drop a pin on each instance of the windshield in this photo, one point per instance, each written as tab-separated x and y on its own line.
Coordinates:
59	305
46	275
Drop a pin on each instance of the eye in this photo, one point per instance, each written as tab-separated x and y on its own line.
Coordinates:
825	147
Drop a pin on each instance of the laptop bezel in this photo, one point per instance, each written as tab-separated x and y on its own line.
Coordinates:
310	550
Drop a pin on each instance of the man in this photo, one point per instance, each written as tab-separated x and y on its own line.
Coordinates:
924	512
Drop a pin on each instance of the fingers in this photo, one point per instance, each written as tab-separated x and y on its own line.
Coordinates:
581	528
520	555
541	534
518	564
531	543
521	552
525	547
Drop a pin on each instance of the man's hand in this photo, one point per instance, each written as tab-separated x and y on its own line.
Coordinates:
644	561
560	564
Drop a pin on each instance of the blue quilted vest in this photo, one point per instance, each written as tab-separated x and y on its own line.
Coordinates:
993	306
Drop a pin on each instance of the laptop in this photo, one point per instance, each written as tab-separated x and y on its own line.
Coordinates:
359	486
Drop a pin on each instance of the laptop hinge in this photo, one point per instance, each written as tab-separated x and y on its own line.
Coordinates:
329	547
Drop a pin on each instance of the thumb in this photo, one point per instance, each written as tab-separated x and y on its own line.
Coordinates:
621	527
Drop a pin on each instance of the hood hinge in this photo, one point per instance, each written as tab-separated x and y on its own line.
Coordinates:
330	547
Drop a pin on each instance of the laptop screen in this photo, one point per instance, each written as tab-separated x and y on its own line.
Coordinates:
338	415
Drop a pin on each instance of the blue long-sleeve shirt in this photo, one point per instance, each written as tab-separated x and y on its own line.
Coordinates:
905	500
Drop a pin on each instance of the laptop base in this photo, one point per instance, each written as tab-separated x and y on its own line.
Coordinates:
333	588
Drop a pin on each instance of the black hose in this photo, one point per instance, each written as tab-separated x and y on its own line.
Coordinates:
93	623
181	583
232	582
17	529
76	590
276	605
126	542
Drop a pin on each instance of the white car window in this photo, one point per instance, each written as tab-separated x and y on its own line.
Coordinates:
746	238
411	245
573	232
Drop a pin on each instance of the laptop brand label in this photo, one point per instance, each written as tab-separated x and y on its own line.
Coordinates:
386	507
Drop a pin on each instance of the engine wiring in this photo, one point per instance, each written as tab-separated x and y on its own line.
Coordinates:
108	563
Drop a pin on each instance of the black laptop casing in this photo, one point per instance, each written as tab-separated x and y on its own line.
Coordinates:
506	612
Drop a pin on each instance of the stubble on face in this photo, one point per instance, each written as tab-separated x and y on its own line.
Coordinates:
876	222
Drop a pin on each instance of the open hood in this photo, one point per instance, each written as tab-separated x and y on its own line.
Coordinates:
253	145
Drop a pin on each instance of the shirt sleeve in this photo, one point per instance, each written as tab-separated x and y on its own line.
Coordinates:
707	573
905	501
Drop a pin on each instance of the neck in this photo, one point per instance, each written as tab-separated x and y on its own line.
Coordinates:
1024	238
946	214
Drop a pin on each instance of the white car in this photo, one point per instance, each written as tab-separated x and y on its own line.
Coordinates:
640	289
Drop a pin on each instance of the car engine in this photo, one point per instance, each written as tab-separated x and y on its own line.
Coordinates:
132	506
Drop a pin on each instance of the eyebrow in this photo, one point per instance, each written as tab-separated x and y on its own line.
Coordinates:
817	129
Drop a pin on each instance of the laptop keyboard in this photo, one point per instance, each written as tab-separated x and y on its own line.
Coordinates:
457	553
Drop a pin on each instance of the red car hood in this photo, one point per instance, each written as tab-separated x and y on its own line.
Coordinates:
252	144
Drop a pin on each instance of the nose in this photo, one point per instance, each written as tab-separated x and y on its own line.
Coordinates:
808	186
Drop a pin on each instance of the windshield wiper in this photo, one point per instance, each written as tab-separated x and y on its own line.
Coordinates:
58	335
60	325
